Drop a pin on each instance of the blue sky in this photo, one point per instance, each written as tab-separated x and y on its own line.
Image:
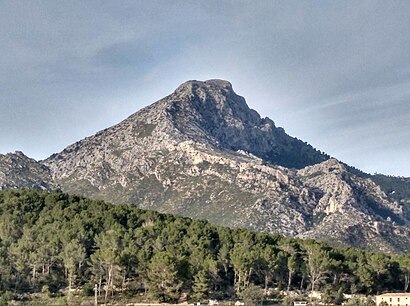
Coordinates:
333	73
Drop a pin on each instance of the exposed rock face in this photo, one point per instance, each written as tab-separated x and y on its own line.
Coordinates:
354	210
201	152
19	171
211	112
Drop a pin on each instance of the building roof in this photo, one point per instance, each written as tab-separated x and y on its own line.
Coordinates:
395	294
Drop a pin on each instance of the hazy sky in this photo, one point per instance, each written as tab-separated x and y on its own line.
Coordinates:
333	73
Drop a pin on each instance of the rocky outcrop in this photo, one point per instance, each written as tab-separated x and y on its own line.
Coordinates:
19	171
354	210
202	152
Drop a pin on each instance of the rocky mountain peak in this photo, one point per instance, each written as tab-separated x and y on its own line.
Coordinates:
211	112
15	157
213	99
215	85
330	166
17	170
205	114
18	153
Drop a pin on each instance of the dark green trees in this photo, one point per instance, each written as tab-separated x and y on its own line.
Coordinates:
65	242
164	281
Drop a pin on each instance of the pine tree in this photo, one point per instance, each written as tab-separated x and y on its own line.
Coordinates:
164	282
200	287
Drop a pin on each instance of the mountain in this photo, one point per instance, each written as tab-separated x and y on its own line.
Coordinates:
202	152
19	171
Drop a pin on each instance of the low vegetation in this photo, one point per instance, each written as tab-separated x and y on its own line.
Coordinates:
59	244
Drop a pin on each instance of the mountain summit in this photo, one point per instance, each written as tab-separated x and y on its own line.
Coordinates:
202	152
212	112
209	113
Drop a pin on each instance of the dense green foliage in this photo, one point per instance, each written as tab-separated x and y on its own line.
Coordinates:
52	241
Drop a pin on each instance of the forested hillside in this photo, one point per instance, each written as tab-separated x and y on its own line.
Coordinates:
61	241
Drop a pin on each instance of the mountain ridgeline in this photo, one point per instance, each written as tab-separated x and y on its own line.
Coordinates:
202	152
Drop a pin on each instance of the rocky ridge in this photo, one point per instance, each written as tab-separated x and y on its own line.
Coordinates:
19	171
201	152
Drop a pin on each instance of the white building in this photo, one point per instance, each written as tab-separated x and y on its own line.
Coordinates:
394	299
